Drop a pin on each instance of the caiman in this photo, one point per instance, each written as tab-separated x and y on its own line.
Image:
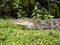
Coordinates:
36	24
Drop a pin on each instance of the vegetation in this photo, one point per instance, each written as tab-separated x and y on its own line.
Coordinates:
11	34
37	9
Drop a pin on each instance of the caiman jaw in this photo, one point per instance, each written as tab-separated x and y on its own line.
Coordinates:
24	23
27	23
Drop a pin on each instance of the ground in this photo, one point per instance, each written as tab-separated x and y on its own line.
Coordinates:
11	34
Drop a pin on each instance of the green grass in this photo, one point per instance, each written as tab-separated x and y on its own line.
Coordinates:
11	34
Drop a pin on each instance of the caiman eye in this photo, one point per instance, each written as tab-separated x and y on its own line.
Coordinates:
23	18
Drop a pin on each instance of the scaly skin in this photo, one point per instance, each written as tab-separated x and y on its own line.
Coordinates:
34	24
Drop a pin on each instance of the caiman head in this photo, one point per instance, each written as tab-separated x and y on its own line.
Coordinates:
27	22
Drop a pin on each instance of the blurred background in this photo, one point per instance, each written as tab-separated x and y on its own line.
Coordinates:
36	9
